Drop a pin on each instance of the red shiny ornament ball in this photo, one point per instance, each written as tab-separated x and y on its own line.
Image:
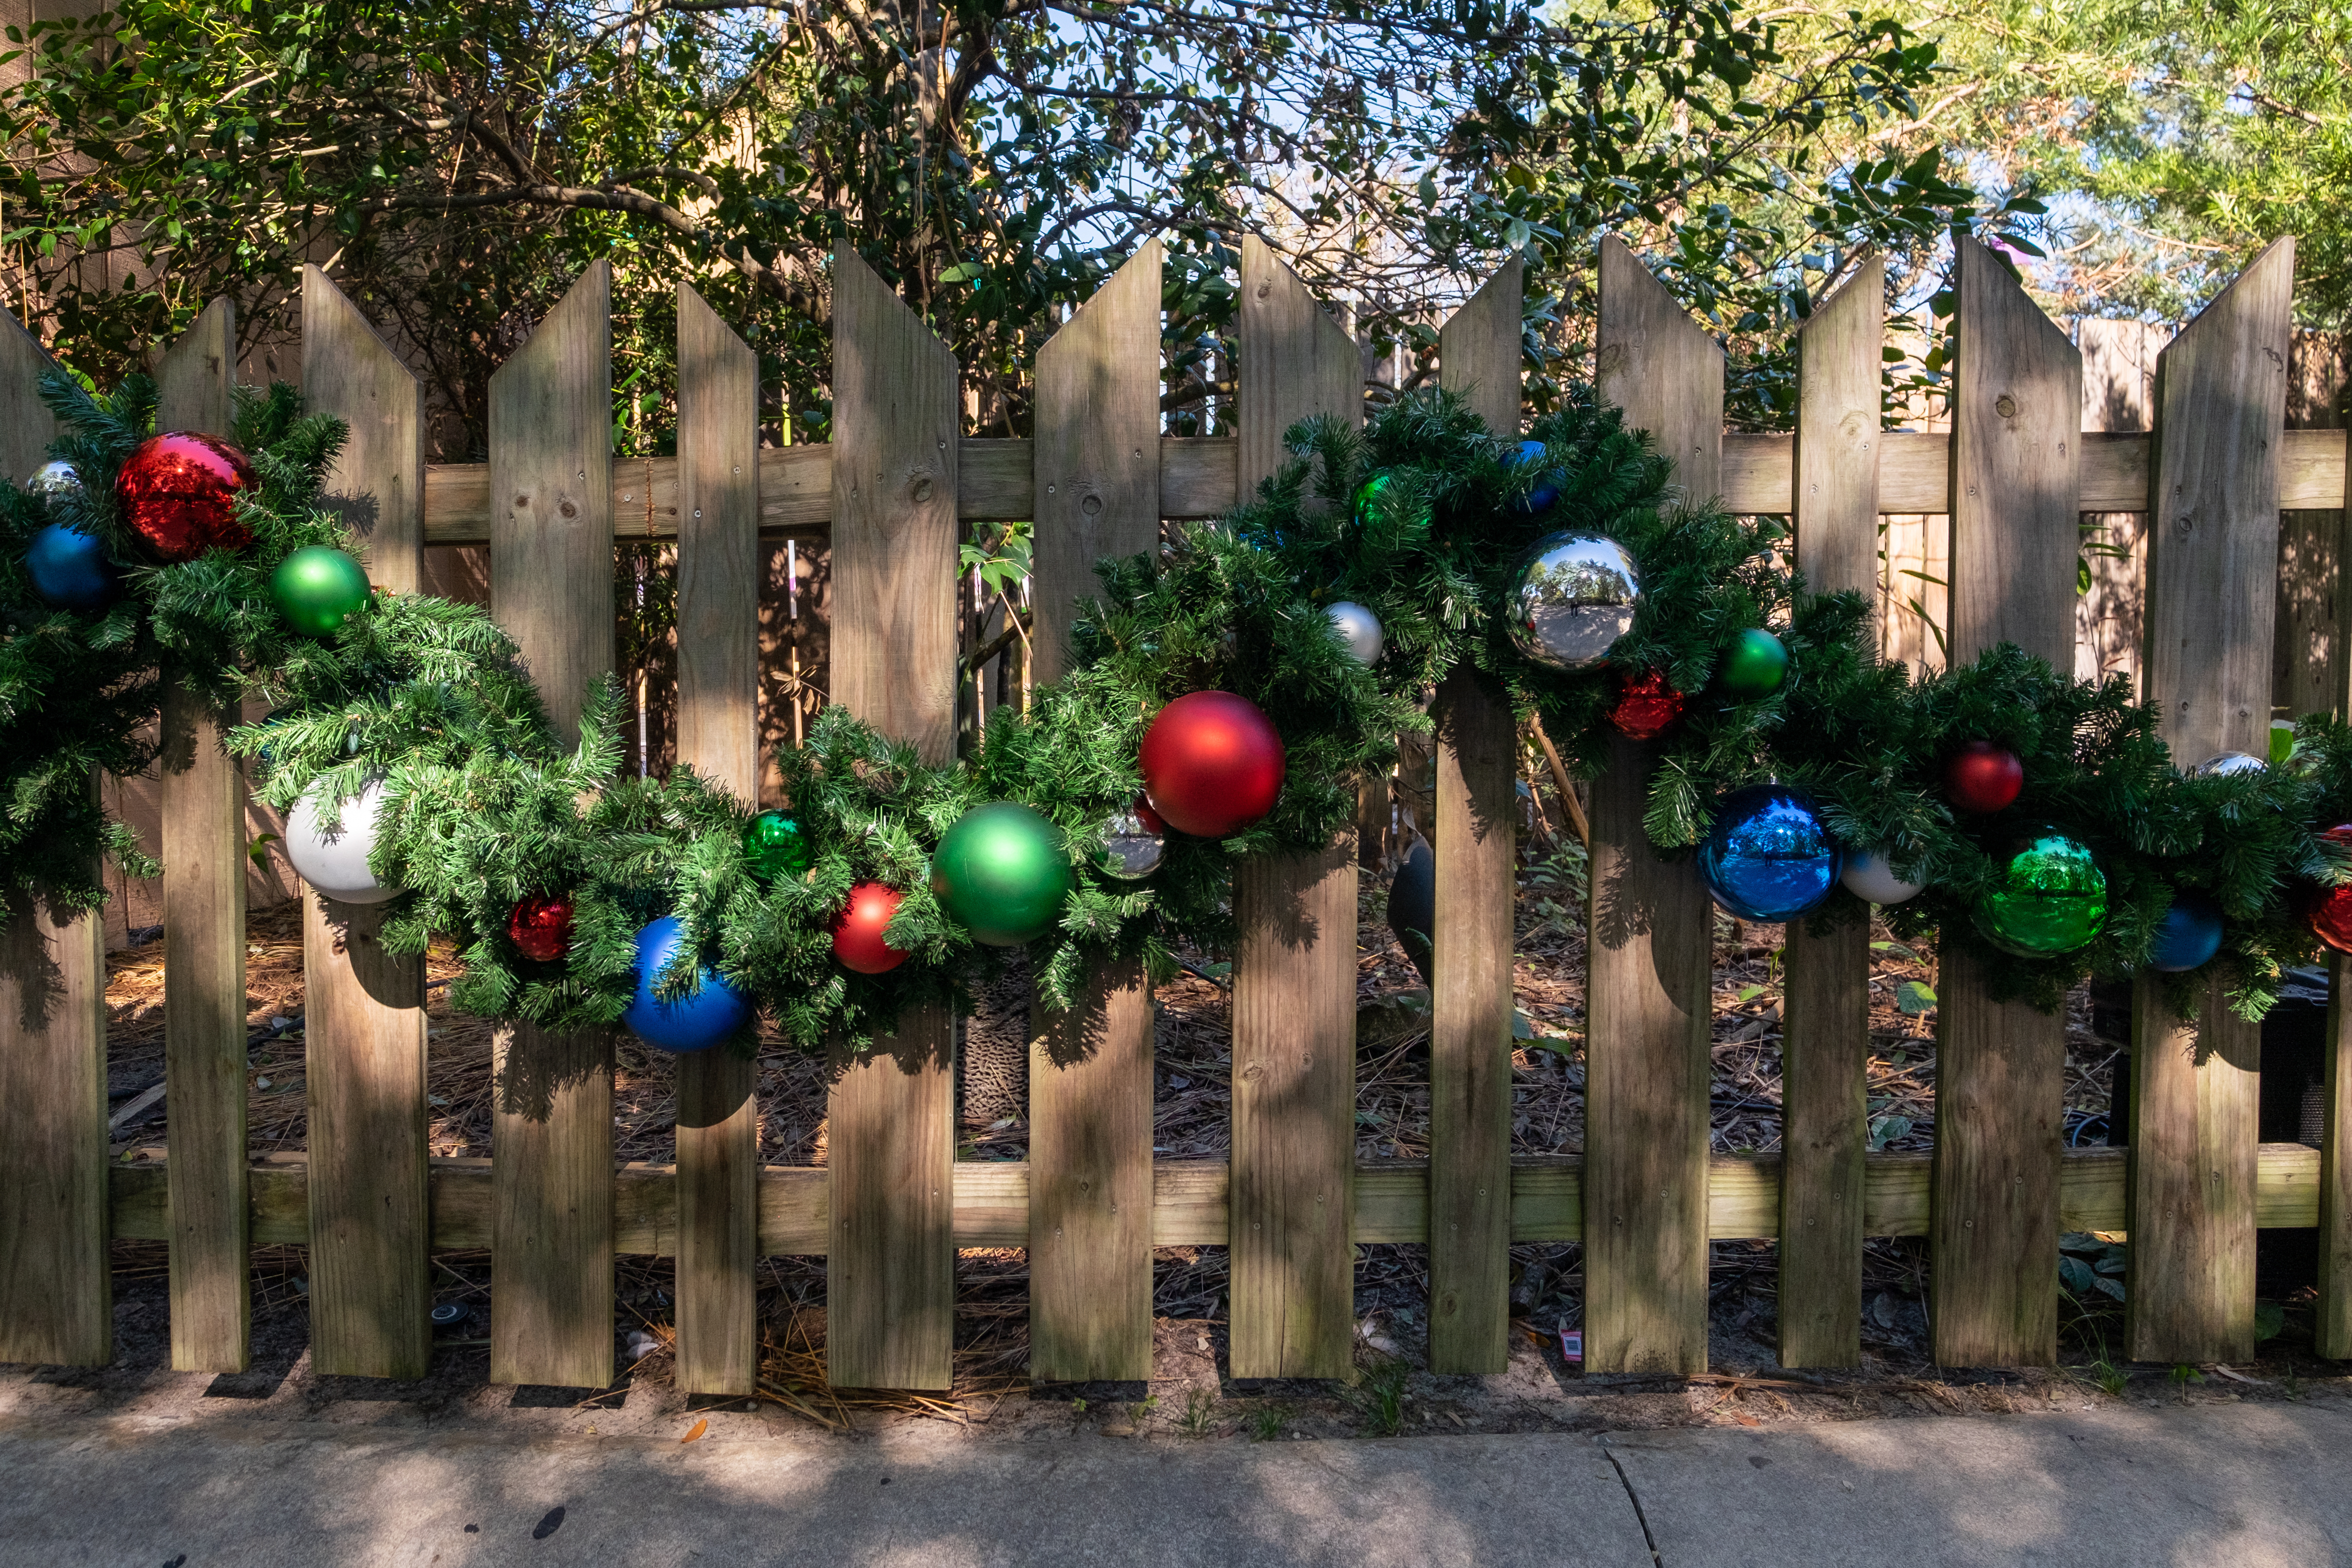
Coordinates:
1647	707
540	927
1153	823
857	931
1212	763
2328	910
1983	778
178	492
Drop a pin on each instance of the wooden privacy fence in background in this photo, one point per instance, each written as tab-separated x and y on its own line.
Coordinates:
892	1205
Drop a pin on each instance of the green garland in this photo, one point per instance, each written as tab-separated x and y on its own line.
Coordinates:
484	806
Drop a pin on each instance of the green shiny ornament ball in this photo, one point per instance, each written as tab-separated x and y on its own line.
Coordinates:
1381	495
318	589
1003	872
775	846
2051	897
1755	664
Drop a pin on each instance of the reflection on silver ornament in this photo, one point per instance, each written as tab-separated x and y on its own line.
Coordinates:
1130	850
1574	598
1870	879
1358	628
2226	763
53	482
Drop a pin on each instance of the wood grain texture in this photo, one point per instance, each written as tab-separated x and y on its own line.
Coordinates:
718	736
2332	1325
1097	485
204	945
890	1259
1470	995
1825	1038
551	589
2211	595
1293	1256
1650	923
377	482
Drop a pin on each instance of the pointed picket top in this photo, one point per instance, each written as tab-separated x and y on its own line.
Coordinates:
29	426
1478	348
1643	325
377	482
194	377
1296	361
1834	489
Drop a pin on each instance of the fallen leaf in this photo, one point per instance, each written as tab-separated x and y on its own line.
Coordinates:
699	1428
1747	1421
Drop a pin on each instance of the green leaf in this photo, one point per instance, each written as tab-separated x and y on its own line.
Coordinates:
1913	998
2269	1318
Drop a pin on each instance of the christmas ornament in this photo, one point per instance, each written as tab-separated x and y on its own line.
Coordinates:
1574	597
1003	872
1153	823
2327	909
540	926
1382	493
696	1021
1869	878
318	588
178	492
1754	665
1131	851
857	940
1545	492
1983	778
336	864
1212	763
1645	706
68	568
2226	765
774	846
1358	628
1768	858
2189	933
2052	898
53	482
1412	907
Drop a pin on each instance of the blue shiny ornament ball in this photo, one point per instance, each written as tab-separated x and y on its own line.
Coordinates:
1545	493
2189	935
692	1023
70	568
1769	857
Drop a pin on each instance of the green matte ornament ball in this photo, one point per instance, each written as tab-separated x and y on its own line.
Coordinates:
1003	872
2050	899
774	846
318	588
1755	664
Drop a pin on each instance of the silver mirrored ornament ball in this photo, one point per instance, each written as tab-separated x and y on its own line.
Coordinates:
1130	850
54	481
1358	628
1574	598
2226	763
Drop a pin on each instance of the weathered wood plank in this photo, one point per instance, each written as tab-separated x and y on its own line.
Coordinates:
2332	1330
551	589
891	1263
1477	881
1651	923
1098	492
2211	595
1825	1041
718	736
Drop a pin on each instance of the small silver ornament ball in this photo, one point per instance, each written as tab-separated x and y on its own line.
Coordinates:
1358	628
1575	598
1869	878
2226	763
1130	850
54	481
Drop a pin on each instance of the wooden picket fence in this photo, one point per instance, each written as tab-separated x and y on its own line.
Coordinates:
895	488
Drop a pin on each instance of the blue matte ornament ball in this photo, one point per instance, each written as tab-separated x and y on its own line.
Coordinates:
2189	935
1545	494
1769	857
692	1023
70	568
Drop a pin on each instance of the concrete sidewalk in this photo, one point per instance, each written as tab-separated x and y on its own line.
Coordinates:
2253	1484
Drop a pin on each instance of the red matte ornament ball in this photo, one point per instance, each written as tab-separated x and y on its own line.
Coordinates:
178	492
1645	707
1983	778
1212	763
540	926
857	931
2328	910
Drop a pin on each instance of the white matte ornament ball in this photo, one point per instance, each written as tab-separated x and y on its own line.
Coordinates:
1358	628
1870	879
336	865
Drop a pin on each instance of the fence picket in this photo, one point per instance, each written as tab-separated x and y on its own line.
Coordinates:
2017	405
1294	1008
371	1294
1825	1024
1090	1082
890	1138
1477	880
551	589
2211	593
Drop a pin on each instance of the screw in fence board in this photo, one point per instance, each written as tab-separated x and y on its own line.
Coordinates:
890	1137
1477	882
551	589
1097	495
1293	1010
2211	594
1825	1032
204	945
370	1295
718	736
57	1304
2017	409
1651	923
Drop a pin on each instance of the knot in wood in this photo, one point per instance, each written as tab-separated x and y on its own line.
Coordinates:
920	491
1252	1072
568	508
2005	406
1091	506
